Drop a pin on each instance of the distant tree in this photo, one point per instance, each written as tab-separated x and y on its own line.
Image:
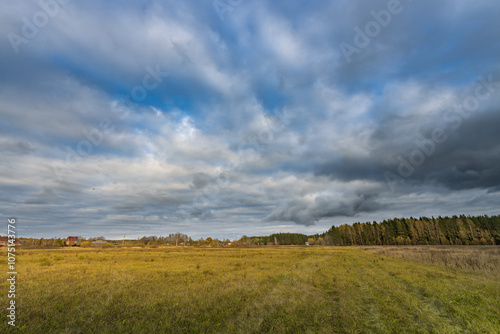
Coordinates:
86	244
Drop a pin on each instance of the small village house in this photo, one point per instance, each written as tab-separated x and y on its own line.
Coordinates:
4	241
72	241
98	243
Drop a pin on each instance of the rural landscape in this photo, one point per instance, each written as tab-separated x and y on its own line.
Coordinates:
237	166
249	288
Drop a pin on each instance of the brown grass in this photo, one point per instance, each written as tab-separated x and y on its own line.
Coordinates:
479	259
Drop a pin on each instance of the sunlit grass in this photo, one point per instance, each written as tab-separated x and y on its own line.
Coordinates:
247	290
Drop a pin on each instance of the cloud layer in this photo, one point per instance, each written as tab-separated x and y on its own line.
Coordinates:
138	118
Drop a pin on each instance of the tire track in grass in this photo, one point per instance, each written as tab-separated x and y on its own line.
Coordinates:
322	284
334	284
276	308
327	274
459	317
432	310
396	306
349	297
374	321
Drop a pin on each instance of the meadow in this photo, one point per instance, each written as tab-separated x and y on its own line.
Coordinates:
279	289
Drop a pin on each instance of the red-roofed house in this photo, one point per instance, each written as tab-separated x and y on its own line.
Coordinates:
72	241
5	240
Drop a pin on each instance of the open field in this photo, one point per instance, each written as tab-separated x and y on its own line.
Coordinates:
250	290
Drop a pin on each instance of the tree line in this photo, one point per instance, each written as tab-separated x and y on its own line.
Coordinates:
456	230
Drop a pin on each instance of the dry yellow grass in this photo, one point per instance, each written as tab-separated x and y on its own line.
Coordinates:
253	290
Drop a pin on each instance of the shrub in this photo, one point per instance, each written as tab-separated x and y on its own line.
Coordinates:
86	244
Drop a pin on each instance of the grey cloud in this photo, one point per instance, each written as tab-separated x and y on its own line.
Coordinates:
201	180
305	212
18	146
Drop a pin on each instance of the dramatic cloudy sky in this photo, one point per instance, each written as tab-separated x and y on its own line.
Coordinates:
247	117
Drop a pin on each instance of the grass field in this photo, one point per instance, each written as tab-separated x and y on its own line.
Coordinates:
250	290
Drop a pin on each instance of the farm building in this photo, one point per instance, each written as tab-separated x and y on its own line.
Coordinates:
5	240
72	241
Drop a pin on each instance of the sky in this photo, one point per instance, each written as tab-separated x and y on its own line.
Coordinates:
245	117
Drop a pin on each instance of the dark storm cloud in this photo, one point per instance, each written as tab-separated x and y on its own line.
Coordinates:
307	213
470	158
